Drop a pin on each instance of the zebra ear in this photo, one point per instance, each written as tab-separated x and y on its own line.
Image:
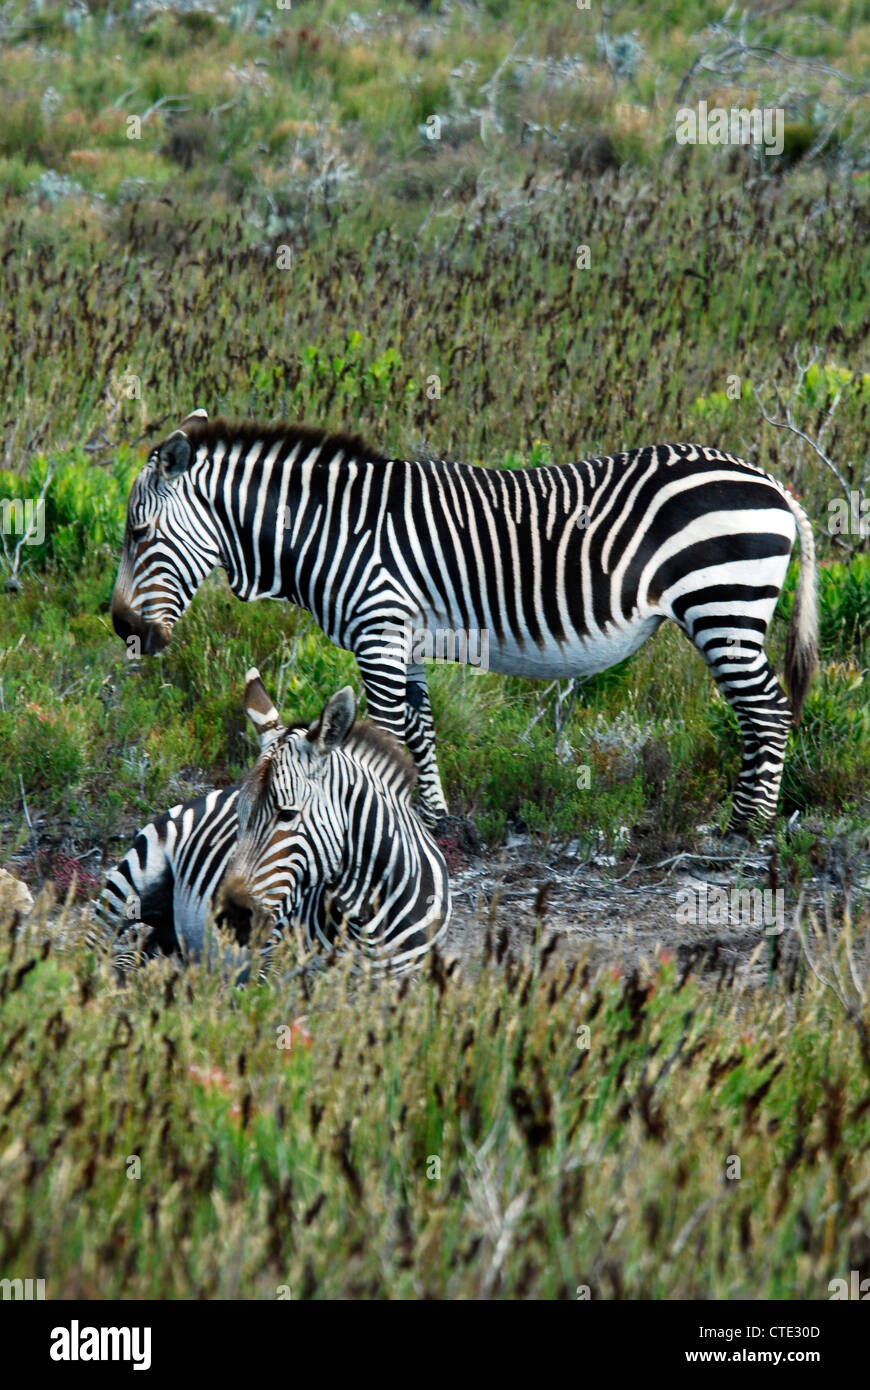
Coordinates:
260	710
335	722
174	455
194	415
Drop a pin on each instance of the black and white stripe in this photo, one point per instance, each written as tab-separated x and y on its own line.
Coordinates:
362	861
567	570
161	893
329	846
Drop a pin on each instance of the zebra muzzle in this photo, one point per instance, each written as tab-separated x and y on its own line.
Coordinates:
239	914
152	637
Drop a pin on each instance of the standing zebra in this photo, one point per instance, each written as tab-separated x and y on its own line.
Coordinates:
565	570
325	820
168	883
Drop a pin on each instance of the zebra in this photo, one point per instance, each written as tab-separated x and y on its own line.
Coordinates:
566	569
161	895
326	821
157	899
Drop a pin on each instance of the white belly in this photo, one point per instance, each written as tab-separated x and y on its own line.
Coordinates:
580	657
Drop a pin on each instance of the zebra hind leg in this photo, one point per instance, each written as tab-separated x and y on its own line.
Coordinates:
748	682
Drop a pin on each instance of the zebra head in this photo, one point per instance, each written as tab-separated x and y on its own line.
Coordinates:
170	545
291	836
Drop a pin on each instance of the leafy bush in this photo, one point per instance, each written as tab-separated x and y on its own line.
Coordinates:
85	506
844	607
44	745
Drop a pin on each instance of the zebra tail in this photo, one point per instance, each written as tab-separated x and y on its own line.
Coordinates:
802	640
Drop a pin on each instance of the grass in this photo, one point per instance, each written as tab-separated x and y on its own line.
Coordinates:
77	719
454	1137
244	211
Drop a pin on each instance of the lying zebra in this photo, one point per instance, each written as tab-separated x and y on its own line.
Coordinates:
563	570
325	819
358	860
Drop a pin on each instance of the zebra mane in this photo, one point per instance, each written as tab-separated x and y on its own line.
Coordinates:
250	432
368	744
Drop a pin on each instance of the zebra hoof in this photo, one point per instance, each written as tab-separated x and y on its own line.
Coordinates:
746	833
460	831
744	839
733	842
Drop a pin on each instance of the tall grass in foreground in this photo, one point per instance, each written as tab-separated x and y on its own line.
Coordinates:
523	1128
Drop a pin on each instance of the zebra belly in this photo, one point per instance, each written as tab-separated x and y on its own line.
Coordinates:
579	657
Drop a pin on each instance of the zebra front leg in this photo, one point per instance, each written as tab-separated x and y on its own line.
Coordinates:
420	738
389	686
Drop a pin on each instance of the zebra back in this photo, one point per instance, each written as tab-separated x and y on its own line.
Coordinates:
167	878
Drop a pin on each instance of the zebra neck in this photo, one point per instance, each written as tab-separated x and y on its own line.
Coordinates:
366	863
280	527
